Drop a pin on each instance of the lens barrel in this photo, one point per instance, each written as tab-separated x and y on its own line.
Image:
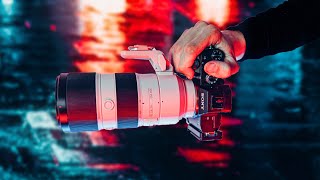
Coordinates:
76	102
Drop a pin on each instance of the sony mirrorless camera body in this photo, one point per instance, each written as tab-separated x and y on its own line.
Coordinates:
214	98
92	101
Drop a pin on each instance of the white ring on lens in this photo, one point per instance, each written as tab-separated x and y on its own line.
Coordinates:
106	93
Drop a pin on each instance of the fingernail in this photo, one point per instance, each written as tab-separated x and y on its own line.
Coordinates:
211	68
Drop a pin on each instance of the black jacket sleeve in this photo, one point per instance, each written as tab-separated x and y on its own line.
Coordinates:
284	28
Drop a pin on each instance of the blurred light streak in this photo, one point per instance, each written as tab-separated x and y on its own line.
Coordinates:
203	155
108	27
150	22
227	121
104	6
101	37
8	6
112	167
7	2
40	119
219	12
214	11
104	138
62	155
99	66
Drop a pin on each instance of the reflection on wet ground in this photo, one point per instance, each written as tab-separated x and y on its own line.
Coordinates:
272	133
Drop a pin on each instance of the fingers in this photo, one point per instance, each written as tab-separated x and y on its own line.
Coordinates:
207	36
191	43
174	56
220	69
177	49
223	69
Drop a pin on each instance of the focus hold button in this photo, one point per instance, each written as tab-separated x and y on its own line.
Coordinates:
109	104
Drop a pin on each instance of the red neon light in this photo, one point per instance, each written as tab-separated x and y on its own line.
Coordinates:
202	155
111	167
219	12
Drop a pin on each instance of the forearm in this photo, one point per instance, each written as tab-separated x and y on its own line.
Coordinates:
280	29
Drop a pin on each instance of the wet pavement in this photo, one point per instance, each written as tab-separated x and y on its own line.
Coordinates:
272	133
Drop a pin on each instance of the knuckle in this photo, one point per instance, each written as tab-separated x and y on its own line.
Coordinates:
176	49
185	31
191	48
201	23
216	32
211	27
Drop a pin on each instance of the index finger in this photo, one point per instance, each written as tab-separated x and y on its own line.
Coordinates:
209	36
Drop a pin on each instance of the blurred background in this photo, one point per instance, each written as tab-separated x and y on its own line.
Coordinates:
272	133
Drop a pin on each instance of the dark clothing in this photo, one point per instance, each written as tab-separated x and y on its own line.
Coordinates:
284	28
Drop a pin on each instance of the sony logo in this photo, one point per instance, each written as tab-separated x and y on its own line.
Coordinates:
202	101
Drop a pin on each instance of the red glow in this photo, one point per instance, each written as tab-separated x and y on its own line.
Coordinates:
104	138
111	167
27	24
100	66
202	155
53	28
105	27
225	141
230	121
150	23
219	12
215	12
251	4
101	38
216	165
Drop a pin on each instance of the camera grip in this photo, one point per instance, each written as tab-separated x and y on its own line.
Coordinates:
209	54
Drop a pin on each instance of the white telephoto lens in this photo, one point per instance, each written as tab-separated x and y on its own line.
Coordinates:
92	101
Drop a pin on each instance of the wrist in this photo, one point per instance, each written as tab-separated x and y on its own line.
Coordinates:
237	41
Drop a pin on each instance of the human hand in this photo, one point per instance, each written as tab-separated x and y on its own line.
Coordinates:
194	40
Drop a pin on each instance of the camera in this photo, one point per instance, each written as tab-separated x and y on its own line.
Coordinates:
93	101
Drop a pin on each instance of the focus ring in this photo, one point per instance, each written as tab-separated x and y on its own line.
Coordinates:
127	100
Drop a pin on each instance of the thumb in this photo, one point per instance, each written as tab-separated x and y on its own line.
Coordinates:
221	69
